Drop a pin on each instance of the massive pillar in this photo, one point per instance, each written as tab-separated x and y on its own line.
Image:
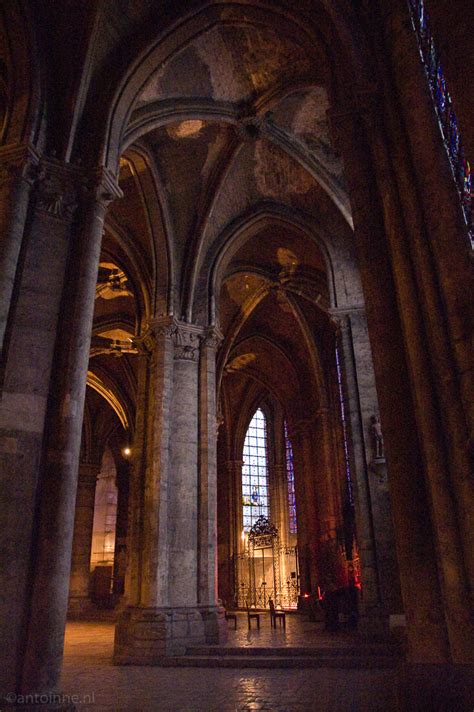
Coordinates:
175	603
418	342
45	364
17	173
79	600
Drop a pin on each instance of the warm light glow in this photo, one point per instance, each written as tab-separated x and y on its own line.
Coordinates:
93	381
185	129
127	451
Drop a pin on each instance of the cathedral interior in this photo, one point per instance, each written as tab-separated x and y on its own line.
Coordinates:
236	332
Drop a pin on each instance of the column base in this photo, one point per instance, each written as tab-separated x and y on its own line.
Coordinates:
215	625
144	636
436	687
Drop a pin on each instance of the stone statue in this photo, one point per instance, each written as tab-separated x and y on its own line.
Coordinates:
377	437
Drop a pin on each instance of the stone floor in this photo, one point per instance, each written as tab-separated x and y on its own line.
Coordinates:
89	675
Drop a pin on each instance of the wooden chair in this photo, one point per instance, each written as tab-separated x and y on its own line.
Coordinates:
276	615
250	615
231	617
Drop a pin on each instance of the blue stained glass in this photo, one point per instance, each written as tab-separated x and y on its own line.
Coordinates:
290	473
444	108
255	472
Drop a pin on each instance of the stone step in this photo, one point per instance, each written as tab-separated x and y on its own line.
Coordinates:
365	650
298	661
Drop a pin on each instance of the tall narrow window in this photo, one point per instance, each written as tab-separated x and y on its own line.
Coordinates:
290	476
255	472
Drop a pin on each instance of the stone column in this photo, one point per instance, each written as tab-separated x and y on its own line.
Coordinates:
213	614
279	500
381	594
63	422
168	617
183	483
79	601
27	364
426	629
327	560
17	164
121	529
304	505
230	528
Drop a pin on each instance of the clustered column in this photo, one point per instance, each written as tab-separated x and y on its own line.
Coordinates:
176	603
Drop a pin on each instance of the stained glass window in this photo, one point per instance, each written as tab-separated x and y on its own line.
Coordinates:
290	475
445	111
255	472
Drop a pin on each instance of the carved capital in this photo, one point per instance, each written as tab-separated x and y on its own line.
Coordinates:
186	339
102	187
18	162
212	338
58	189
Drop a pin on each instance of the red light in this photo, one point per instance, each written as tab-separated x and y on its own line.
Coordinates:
306	595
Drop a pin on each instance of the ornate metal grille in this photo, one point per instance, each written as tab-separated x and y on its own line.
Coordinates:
266	570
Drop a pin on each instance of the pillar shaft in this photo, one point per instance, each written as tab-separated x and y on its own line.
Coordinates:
375	535
207	515
121	529
304	509
27	361
63	424
423	606
17	164
82	537
183	483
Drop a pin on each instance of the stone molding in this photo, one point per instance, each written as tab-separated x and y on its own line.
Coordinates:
18	162
213	337
186	338
57	190
62	187
102	186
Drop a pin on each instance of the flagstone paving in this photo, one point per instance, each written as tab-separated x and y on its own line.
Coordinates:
88	674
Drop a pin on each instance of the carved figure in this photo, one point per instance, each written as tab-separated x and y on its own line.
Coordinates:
377	437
